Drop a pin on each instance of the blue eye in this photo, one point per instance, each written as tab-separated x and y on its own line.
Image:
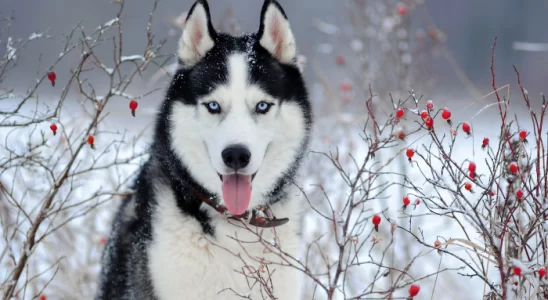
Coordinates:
213	107
263	107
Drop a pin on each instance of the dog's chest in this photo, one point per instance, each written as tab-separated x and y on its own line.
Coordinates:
187	264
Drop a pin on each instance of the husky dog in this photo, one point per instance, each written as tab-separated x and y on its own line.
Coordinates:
219	184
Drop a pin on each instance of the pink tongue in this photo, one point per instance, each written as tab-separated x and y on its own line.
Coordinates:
236	193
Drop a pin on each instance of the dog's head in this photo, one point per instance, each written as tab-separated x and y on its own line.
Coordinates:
240	116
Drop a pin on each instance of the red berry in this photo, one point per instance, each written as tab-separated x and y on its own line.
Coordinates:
517	271
91	140
429	122
424	114
410	153
466	127
133	106
446	114
523	134
346	87
491	193
340	60
472	167
376	222
468	186
52	77
541	272
414	290
400	113
437	244
430	105
513	168
406	201
472	175
417	202
42	297
401	9
485	143
519	194
53	128
103	240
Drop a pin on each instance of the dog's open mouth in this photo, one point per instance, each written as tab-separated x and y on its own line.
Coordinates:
237	192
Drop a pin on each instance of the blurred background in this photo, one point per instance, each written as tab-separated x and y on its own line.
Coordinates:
468	26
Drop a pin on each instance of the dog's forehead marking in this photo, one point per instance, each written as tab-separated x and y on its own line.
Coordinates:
238	72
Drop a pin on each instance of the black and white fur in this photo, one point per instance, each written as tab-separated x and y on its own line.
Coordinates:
165	243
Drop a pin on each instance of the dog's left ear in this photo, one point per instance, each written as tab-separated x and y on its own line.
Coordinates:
275	34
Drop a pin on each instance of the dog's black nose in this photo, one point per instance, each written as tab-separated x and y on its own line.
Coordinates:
236	157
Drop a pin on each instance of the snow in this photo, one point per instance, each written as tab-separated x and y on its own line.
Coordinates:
35	35
109	24
132	57
10	50
110	71
106	26
123	94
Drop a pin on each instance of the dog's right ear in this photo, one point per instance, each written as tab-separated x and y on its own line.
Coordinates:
198	34
275	34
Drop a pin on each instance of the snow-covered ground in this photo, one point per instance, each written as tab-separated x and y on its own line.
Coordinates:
71	253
